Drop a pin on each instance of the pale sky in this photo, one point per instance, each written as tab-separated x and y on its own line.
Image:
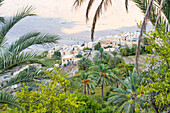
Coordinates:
61	18
114	18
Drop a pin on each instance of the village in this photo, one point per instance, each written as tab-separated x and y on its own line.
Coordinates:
69	53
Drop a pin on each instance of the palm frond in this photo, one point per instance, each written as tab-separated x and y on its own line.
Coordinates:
26	77
2	20
32	39
1	2
126	5
10	100
103	3
13	20
10	61
96	16
159	12
78	3
22	39
157	4
88	9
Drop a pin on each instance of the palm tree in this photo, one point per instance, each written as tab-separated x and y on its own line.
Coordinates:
13	55
102	75
118	74
125	99
84	64
87	82
114	60
101	54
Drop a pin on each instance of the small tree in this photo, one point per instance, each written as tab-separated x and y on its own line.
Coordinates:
102	75
86	49
82	45
87	82
49	97
84	64
157	87
57	55
79	56
97	46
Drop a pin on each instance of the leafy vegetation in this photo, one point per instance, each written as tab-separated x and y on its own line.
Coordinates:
132	51
86	49
79	56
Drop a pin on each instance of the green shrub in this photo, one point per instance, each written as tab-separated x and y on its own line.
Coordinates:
108	47
97	46
79	56
86	49
57	55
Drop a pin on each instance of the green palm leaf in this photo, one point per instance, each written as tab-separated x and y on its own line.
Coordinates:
32	39
2	20
13	20
129	93
165	15
26	77
6	98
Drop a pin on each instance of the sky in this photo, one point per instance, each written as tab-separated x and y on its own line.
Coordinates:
59	17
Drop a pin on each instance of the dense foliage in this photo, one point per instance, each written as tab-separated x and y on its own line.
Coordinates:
132	51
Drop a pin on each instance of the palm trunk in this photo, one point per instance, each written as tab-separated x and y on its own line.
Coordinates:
84	67
117	83
133	106
159	13
102	91
88	91
92	51
85	89
141	35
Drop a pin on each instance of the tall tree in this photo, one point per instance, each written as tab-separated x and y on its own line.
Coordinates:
102	75
125	99
87	82
152	11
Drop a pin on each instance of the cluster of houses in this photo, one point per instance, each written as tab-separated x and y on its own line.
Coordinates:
125	39
109	43
68	53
